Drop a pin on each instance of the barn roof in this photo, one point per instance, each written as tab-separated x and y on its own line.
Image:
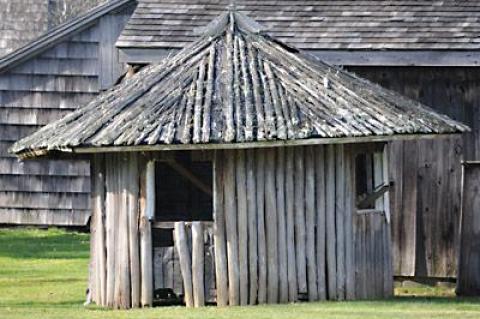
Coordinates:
237	85
317	24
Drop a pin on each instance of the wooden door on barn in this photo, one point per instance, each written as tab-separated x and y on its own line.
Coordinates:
183	192
371	224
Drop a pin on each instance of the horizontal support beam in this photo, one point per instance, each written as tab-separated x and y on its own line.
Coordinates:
341	57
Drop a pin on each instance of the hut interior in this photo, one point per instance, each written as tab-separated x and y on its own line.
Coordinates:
239	171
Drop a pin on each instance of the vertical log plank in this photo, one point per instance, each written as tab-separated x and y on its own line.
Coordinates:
198	259
321	229
290	224
221	270
300	239
147	202
133	190
110	229
252	226
340	220
281	221
330	223
242	222
262	248
271	227
310	223
181	245
231	228
349	211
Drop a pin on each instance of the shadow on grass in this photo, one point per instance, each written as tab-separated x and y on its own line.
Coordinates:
40	244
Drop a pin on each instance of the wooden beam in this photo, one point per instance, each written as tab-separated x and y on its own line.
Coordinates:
182	170
185	260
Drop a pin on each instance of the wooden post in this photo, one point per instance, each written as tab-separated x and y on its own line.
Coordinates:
300	220
111	228
262	248
147	207
133	190
122	266
221	270
349	211
231	228
281	221
242	223
93	276
185	261
340	220
271	227
330	223
387	241
98	211
310	223
321	227
290	228
252	226
198	264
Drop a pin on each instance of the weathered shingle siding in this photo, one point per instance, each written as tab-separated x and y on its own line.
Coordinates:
38	92
21	21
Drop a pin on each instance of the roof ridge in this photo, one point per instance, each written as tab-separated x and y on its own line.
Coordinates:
58	33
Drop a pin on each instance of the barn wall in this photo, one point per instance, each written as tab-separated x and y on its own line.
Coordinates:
37	92
426	198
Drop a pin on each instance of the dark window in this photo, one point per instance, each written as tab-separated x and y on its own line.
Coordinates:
365	180
177	197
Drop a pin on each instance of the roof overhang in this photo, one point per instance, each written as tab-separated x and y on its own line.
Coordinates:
227	146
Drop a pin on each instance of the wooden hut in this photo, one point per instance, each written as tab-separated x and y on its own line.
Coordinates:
264	168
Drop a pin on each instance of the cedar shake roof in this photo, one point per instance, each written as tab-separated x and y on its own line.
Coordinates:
237	85
317	24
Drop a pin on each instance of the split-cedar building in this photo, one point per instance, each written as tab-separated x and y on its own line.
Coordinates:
425	50
263	171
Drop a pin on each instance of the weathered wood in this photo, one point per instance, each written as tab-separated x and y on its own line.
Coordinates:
290	224
387	236
262	248
271	227
221	270
242	223
111	229
198	259
146	210
340	220
330	223
133	216
299	193
321	223
252	226
181	245
468	283
310	223
231	228
281	222
349	211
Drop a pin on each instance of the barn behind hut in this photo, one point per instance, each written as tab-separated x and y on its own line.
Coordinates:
295	204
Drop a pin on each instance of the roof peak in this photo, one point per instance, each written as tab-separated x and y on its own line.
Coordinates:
230	19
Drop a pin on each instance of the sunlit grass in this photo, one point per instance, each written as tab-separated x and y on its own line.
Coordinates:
43	274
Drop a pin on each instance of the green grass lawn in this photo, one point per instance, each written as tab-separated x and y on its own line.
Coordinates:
43	274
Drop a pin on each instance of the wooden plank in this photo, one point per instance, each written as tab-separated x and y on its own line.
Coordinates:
310	223
133	238
271	227
252	226
281	222
231	228
386	240
146	260
181	245
468	283
340	220
349	211
262	248
330	223
198	259
221	270
111	228
300	238
321	223
290	225
242	224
